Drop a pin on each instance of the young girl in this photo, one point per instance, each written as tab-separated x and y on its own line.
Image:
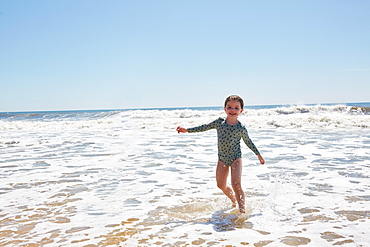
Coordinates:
229	132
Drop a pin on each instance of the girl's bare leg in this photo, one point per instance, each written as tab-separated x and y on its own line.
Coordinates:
222	171
236	176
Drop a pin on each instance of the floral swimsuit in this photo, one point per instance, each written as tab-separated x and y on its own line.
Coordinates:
228	139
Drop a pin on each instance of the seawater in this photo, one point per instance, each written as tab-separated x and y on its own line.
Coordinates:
126	178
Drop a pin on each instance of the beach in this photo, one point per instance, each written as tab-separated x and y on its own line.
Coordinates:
127	178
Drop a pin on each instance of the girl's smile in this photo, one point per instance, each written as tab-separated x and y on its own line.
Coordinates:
233	109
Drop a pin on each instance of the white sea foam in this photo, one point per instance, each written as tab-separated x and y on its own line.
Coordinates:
126	178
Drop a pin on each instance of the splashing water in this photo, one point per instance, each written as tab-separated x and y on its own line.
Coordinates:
128	179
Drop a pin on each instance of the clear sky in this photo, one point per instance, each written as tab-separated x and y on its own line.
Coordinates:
117	54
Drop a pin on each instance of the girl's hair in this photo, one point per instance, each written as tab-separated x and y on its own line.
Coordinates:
235	98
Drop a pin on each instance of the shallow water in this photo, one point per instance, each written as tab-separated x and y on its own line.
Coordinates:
128	179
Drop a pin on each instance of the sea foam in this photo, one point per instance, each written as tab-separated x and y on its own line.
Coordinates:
127	178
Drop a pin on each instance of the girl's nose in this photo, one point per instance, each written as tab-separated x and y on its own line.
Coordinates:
232	108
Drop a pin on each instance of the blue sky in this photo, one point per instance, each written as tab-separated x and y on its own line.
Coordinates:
88	54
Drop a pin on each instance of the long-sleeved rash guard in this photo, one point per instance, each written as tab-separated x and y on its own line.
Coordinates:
228	139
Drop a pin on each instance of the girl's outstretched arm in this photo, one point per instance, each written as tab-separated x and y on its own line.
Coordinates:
181	130
262	161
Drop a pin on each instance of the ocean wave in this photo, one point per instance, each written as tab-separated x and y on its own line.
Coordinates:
312	109
305	116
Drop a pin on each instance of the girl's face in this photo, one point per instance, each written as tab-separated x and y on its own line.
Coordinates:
233	109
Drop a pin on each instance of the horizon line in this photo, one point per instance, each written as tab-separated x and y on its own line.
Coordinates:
179	107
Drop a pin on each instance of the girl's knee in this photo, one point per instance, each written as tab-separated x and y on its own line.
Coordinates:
222	186
237	186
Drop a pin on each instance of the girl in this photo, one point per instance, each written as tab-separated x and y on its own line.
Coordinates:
229	132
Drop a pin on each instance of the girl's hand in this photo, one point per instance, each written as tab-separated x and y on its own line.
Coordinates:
262	161
181	130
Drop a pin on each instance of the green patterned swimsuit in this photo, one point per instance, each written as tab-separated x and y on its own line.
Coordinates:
228	139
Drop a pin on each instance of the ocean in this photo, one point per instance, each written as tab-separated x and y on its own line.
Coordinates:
127	178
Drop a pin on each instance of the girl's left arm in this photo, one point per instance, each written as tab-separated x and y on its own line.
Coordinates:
249	142
251	145
262	161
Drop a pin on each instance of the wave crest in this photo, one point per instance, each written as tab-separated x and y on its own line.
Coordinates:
304	116
314	109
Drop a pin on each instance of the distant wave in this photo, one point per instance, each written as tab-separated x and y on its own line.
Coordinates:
328	116
314	109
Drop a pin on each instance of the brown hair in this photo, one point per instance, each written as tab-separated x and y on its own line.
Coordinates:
236	98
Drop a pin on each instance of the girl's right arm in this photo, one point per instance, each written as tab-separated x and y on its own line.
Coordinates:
181	130
205	127
201	128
